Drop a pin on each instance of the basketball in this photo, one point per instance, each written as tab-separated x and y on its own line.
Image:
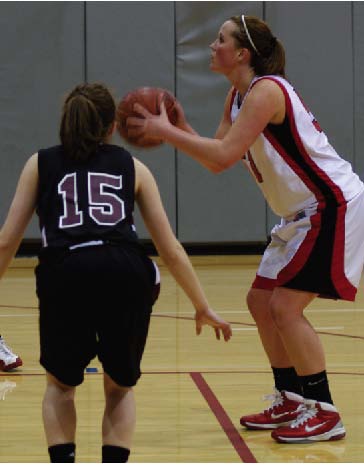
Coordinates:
150	98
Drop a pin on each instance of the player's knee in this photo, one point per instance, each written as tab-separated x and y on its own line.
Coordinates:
279	312
55	383
251	302
256	305
112	389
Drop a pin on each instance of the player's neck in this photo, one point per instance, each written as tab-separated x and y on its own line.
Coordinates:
241	80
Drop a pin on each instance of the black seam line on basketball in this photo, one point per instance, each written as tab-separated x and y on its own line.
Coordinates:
8	374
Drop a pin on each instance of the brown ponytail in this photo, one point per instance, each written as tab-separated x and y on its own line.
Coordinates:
269	57
88	113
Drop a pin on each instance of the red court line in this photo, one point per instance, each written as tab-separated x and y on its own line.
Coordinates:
332	334
233	435
245	324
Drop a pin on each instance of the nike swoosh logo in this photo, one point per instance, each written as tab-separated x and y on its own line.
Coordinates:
316	382
277	416
311	429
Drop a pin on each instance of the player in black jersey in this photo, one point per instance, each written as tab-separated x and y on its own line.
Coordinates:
95	284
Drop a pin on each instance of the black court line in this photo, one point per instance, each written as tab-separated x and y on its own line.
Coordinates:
144	373
230	430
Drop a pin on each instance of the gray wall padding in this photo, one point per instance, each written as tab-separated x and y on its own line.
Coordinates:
41	57
130	45
48	47
215	208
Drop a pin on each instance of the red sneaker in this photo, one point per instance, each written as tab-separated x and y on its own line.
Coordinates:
285	408
318	422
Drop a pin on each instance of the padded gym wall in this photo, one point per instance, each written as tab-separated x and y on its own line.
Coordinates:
227	207
41	57
358	117
48	47
129	45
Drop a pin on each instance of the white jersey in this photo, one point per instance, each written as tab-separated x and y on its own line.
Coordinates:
294	164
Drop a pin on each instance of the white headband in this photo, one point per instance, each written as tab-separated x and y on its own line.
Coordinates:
248	35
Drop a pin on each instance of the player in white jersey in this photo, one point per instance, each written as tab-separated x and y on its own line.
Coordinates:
316	250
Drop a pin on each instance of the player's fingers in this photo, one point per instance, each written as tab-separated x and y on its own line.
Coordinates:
198	329
135	121
163	108
142	110
135	132
227	332
217	332
162	105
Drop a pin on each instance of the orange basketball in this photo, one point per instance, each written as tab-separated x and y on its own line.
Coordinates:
150	98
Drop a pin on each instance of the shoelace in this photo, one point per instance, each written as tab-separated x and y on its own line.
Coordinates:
276	398
305	415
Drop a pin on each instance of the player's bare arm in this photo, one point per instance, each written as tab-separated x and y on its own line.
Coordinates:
263	105
20	212
182	122
172	252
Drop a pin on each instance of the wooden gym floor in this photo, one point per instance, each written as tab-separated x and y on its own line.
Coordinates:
194	389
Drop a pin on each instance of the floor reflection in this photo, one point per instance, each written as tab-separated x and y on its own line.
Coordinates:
5	388
316	452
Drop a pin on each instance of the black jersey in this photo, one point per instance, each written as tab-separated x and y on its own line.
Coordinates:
83	202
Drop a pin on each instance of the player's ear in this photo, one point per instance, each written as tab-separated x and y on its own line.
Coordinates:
112	128
243	54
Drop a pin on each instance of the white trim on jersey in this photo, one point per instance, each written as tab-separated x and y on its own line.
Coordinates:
87	243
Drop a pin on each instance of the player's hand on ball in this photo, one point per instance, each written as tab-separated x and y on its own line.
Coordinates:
133	126
150	126
181	121
208	317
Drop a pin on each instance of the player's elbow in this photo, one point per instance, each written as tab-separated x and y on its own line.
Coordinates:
215	168
171	254
219	165
5	245
226	159
222	165
4	242
218	168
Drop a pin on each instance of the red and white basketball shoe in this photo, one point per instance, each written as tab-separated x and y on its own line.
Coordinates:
319	421
285	408
8	360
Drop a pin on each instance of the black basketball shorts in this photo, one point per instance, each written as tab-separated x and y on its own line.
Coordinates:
95	301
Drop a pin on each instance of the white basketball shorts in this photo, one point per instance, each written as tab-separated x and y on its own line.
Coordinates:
317	251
